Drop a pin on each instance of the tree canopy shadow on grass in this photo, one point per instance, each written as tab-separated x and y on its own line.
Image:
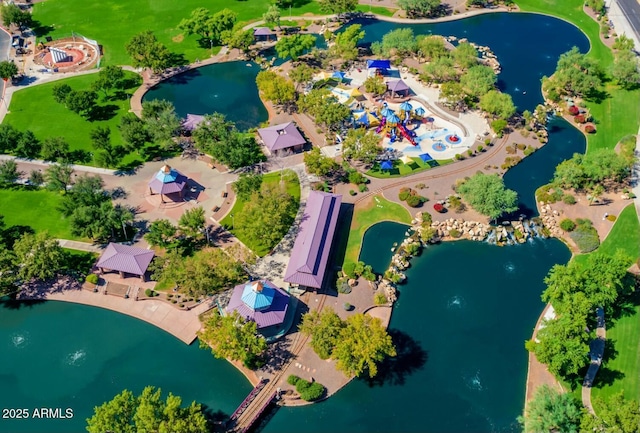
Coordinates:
410	358
103	112
606	377
627	305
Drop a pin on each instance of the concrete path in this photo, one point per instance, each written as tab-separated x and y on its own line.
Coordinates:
76	167
80	246
596	354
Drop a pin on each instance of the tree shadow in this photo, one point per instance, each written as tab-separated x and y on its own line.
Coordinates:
344	227
13	233
40	29
176	59
597	95
10	302
410	358
610	351
606	377
103	112
80	156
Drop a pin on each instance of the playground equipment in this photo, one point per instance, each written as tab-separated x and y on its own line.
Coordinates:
409	135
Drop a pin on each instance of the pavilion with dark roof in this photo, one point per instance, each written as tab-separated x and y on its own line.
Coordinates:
125	260
310	252
282	138
262	302
398	87
264	34
168	181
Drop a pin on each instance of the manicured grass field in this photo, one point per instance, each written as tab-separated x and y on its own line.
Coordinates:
34	108
35	208
292	186
113	22
380	209
619	113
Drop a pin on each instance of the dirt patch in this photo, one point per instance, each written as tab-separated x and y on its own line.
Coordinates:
177	39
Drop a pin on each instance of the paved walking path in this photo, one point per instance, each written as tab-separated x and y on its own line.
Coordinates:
596	354
76	167
80	246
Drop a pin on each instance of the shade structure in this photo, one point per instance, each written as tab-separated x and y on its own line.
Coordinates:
405	106
192	121
168	181
386	165
425	157
386	111
361	117
397	86
392	118
283	136
263	31
124	258
420	111
379	64
406	159
260	301
412	149
339	75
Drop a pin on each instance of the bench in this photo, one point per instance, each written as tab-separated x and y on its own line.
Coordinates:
215	209
224	194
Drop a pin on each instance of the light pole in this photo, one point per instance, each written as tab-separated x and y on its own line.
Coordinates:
233	222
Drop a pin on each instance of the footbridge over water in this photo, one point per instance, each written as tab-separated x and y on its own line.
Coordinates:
252	407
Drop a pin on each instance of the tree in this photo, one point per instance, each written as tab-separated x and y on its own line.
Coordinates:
550	412
625	70
301	74
575	75
453	95
272	16
9	137
134	132
615	415
161	233
147	412
325	108
12	14
419	8
9	172
58	176
240	150
498	104
319	164
361	145
86	191
40	256
488	195
399	42
110	77
623	43
295	45
595	193
465	55
200	23
161	121
28	145
147	52
275	88
223	22
324	328
101	137
363	343
431	47
8	70
478	80
192	222
246	185
346	42
232	337
54	149
337	6
375	85
440	70
240	39
36	178
60	92
267	217
82	102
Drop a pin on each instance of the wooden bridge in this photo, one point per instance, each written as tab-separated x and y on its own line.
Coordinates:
252	407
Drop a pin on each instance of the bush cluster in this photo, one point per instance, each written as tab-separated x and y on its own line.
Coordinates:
454	233
92	278
354	270
568	199
412	197
549	194
585	236
567	225
380	299
308	391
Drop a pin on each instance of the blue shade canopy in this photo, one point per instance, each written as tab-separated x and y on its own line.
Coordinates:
426	157
420	111
386	165
405	106
392	118
339	75
386	111
257	295
380	64
167	174
412	149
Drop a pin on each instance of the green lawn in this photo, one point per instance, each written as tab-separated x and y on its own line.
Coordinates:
401	169
292	185
113	22
619	114
35	208
387	12
379	210
34	108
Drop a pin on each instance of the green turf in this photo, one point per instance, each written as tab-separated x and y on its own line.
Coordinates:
387	12
35	208
617	115
113	22
380	209
401	169
625	336
34	108
292	186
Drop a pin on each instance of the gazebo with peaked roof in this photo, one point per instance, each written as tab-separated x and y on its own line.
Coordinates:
167	181
260	301
192	121
398	86
264	34
282	138
125	259
310	253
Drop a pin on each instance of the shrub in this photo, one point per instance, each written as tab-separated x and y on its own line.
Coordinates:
181	305
438	208
92	278
567	225
174	301
480	148
589	129
404	193
362	187
568	199
309	391
470	152
380	299
349	269
148	293
611	217
342	285
458	157
487	142
454	233
355	177
585	236
347	306
574	110
416	200
421	186
352	192
580	118
499	126
521	146
293	379
529	150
